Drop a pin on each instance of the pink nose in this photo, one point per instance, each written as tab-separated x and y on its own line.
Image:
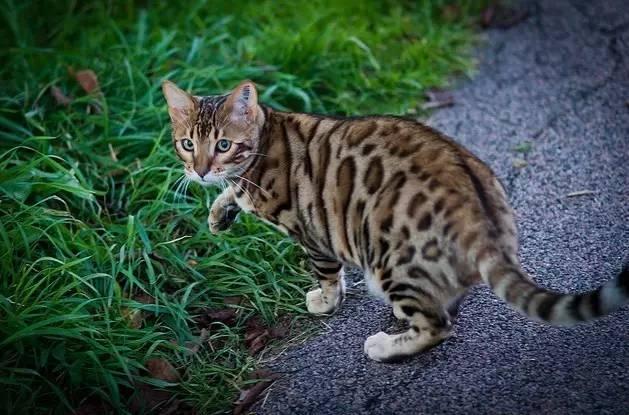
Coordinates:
202	171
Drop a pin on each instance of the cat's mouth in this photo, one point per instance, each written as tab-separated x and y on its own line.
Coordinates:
209	179
213	179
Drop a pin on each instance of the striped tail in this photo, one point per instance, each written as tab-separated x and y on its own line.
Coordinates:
510	283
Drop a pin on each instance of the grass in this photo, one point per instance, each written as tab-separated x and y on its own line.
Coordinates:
90	217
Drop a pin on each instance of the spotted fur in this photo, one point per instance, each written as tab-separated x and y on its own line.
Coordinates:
423	217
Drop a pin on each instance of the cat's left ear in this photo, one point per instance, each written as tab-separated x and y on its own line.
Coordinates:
181	105
243	103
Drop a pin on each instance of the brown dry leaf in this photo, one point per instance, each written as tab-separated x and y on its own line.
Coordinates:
257	335
226	316
162	369
208	318
93	406
144	299
501	17
281	329
451	12
249	396
487	16
60	97
88	81
149	398
256	341
438	99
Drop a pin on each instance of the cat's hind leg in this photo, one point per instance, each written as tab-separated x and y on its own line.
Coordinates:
429	323
328	297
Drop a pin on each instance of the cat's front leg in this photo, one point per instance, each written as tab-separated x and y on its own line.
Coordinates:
327	298
223	211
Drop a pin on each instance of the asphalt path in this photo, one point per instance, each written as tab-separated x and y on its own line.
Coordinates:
559	80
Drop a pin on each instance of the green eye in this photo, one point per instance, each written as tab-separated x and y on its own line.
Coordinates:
223	145
187	144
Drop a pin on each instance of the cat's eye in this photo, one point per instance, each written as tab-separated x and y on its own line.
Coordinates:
223	145
187	144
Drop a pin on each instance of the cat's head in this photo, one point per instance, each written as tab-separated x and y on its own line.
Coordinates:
216	137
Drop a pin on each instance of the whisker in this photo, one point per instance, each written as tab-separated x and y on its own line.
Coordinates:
181	182
263	190
243	190
185	190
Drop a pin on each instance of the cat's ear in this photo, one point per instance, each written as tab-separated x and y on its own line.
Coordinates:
181	105
243	103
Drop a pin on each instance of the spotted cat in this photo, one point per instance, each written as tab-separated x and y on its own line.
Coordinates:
421	215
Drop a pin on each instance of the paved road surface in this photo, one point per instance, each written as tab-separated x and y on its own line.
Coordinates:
561	80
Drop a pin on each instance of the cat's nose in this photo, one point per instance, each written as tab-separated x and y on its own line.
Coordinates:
202	171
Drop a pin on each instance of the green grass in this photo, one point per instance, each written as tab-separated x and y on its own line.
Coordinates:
83	233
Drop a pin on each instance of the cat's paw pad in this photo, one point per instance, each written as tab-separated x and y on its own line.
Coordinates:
379	347
221	218
316	303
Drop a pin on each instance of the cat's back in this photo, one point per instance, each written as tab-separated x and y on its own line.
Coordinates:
401	176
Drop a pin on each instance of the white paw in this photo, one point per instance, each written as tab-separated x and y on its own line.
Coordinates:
379	346
317	304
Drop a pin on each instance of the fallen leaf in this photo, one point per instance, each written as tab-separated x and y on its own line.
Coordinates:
282	328
93	406
438	99
88	80
249	396
502	17
144	299
59	96
256	341
451	12
519	163
148	398
162	369
207	318
487	16
227	316
256	334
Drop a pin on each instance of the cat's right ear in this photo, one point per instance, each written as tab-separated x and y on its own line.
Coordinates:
181	105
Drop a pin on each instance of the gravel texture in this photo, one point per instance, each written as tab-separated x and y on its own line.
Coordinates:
560	80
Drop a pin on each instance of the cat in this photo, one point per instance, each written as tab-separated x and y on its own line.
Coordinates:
421	216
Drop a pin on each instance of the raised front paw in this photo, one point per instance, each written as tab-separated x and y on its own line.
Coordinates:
221	217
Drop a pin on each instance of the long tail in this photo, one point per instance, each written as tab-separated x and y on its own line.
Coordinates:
511	284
